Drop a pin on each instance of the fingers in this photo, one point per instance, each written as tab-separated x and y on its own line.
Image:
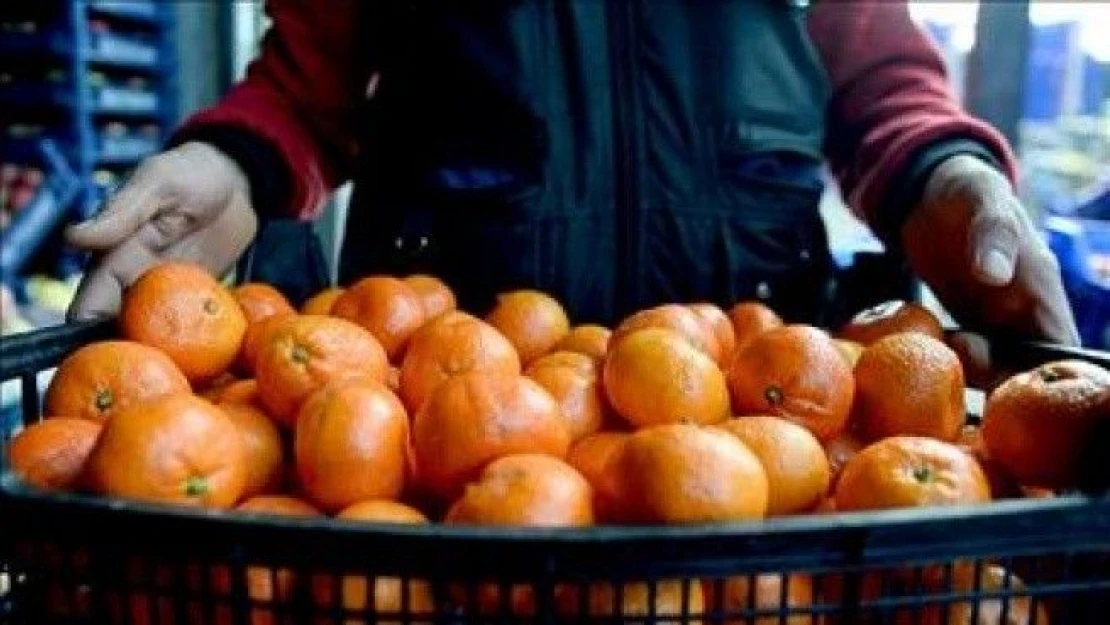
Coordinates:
101	290
994	240
215	246
130	208
218	245
1052	314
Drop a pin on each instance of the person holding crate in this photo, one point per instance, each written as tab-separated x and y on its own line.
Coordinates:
614	154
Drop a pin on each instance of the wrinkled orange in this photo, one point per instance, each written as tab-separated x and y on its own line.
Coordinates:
182	310
689	474
102	378
453	344
322	302
889	318
351	444
308	352
797	469
574	383
654	376
436	297
475	418
525	490
1037	424
176	449
259	301
386	307
909	384
262	448
591	340
794	372
52	453
532	321
910	471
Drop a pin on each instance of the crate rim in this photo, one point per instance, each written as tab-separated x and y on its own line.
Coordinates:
12	489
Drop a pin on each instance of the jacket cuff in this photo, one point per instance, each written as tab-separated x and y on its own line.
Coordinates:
267	173
904	196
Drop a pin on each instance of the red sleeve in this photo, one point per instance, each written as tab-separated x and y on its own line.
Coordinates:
300	96
890	98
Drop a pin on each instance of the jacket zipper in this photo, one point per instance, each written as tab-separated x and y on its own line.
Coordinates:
622	53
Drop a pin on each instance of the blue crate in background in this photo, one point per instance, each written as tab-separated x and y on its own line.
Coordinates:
104	74
1082	246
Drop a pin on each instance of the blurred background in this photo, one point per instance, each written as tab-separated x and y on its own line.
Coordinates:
90	87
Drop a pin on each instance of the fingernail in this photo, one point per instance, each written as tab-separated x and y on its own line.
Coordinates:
996	266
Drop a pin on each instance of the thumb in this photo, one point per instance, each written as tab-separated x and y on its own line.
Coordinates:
993	240
130	208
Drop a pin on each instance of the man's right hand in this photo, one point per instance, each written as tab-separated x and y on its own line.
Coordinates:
191	203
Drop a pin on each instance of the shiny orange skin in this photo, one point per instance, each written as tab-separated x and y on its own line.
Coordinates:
262	448
177	449
909	384
839	451
531	490
51	454
597	458
453	344
654	376
1037	424
750	319
382	511
281	505
794	372
532	321
910	471
307	353
591	340
889	318
715	321
737	596
259	301
680	319
1002	484
213	388
258	334
574	383
99	379
351	444
475	418
686	474
580	364
387	307
388	593
238	392
670	602
797	469
182	310
851	351
322	302
436	297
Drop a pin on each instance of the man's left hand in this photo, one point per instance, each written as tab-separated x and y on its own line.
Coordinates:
971	240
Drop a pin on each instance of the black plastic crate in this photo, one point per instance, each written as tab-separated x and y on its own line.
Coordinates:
76	559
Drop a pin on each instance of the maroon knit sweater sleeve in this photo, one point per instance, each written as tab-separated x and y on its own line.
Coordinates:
301	96
890	98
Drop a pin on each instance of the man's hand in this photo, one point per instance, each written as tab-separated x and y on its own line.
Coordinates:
972	242
190	203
